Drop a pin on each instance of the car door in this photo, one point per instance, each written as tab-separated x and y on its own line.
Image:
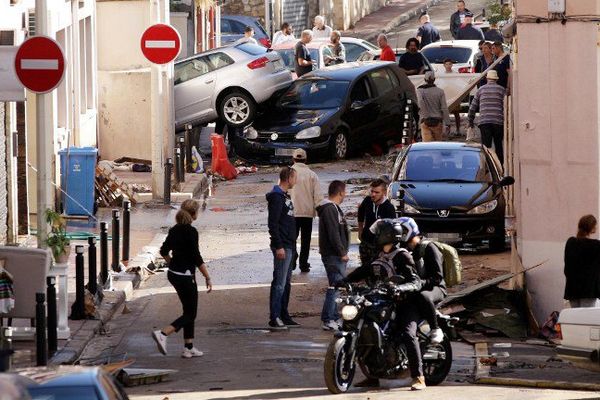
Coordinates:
387	101
362	112
194	87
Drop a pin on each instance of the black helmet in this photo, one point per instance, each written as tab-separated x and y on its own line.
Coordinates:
386	231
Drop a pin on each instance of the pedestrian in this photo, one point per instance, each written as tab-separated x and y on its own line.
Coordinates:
335	52
503	66
427	33
458	18
448	64
469	32
182	254
433	110
302	60
493	34
248	36
482	62
320	30
387	54
334	239
582	265
480	52
489	100
306	196
286	34
282	230
412	61
373	207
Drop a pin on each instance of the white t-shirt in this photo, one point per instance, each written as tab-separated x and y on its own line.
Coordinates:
279	37
322	33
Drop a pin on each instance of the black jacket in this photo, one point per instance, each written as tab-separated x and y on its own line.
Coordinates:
369	212
429	264
334	237
182	244
469	32
282	224
455	23
582	269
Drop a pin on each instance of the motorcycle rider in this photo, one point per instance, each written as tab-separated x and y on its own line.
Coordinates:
395	261
429	264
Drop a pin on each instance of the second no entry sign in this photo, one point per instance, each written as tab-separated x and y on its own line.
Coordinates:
160	43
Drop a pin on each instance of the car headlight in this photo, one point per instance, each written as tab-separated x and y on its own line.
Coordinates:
250	133
484	208
309	133
349	312
410	209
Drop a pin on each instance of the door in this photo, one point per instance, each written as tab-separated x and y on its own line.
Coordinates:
362	113
295	12
194	87
389	99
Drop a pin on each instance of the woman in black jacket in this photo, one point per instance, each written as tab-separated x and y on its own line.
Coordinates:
582	265
181	252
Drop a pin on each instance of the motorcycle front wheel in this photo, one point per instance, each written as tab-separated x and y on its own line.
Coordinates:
338	374
437	371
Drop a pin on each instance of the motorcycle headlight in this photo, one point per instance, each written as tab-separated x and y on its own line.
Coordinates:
349	312
410	209
309	133
484	208
251	133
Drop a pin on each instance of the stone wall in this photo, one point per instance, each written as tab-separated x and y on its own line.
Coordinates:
252	8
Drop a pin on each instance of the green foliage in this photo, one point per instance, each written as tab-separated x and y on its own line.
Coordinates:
57	239
498	12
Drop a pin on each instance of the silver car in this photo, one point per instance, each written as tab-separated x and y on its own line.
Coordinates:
228	82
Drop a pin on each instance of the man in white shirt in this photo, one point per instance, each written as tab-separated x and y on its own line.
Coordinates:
248	36
286	34
320	30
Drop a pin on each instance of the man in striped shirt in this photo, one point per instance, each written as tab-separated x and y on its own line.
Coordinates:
489	101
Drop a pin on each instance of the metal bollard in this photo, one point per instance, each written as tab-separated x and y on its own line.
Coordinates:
116	240
103	253
168	170
92	270
52	315
184	160
126	228
177	153
41	346
78	307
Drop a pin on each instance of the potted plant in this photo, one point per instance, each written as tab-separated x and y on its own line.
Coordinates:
57	239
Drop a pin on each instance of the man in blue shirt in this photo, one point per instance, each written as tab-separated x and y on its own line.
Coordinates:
503	67
427	33
469	32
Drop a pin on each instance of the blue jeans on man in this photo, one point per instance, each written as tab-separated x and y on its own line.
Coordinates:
336	271
281	285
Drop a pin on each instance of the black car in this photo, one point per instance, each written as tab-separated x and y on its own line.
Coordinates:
332	113
454	191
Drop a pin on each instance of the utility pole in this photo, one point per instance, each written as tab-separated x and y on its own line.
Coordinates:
156	116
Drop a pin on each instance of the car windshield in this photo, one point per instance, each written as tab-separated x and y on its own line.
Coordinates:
62	393
315	94
441	165
251	48
287	55
369	45
437	55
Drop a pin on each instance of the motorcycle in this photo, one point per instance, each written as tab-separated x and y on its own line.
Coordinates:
368	338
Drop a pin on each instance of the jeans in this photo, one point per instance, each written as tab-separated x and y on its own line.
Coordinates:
304	227
408	319
495	133
187	290
426	301
336	271
281	285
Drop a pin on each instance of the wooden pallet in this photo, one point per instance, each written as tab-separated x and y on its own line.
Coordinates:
111	189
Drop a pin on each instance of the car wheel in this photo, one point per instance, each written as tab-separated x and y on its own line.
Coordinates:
237	109
339	145
498	244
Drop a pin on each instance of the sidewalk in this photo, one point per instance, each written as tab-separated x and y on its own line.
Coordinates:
385	19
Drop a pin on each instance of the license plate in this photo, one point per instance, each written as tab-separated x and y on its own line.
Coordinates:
284	152
444	237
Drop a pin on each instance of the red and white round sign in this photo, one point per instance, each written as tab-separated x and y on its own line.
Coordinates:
161	43
40	64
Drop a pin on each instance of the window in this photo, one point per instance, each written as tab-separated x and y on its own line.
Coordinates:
393	78
381	80
314	94
225	27
361	91
7	38
237	27
251	48
219	60
353	51
446	165
437	55
191	69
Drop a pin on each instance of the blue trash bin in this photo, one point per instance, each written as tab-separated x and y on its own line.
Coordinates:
78	174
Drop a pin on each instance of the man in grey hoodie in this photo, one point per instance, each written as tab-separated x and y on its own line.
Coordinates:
334	239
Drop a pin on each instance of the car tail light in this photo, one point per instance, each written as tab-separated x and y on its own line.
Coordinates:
466	70
258	63
558	330
265	42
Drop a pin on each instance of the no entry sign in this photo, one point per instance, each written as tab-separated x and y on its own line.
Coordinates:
160	43
40	64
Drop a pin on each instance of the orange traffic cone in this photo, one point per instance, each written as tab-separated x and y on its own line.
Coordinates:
220	163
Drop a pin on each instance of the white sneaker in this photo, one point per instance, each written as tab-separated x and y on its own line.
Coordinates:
330	326
161	341
436	336
193	352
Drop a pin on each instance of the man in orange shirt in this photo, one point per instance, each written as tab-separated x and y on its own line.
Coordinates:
387	54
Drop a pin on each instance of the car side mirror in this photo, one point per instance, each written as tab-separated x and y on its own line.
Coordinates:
357	105
506	181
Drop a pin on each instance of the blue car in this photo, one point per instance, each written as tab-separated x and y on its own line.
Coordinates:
232	29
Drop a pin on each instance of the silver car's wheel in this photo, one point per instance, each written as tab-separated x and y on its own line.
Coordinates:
339	146
237	109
